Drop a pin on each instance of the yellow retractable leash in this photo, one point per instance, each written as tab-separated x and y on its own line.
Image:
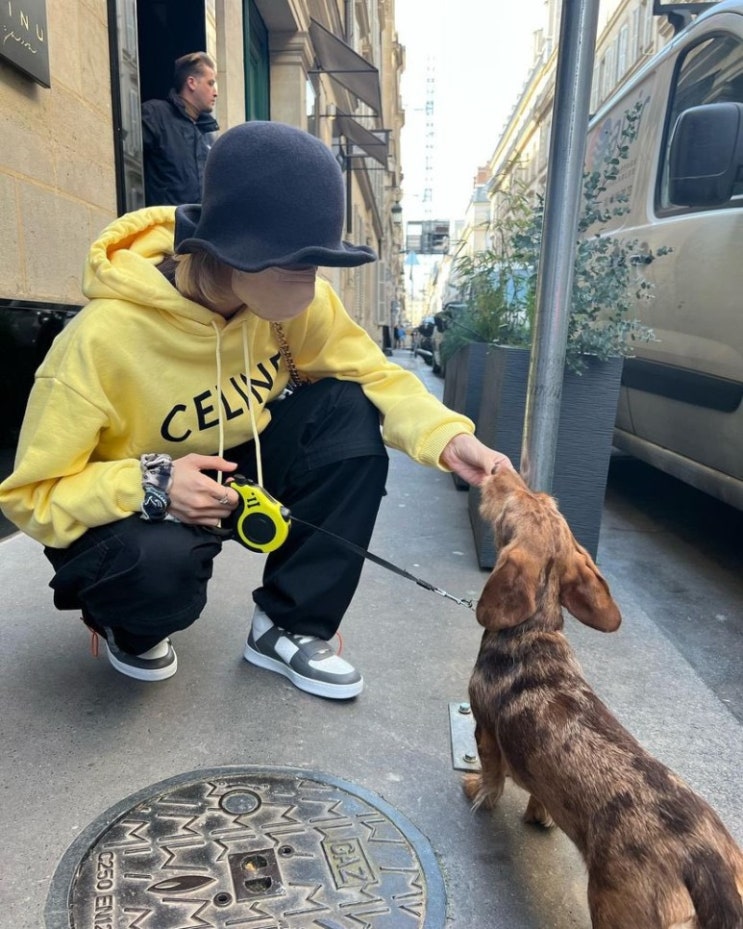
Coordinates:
262	524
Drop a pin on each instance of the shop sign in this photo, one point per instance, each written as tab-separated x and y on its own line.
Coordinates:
23	37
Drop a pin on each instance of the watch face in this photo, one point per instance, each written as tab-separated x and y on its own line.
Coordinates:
154	505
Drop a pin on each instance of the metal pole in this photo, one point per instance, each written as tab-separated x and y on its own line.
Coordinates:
578	27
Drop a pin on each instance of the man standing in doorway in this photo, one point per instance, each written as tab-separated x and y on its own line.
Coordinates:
178	132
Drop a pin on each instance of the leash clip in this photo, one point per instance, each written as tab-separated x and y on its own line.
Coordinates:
470	604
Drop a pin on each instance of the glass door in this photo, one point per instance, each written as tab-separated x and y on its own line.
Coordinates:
127	126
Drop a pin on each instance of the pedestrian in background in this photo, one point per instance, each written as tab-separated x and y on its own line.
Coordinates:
177	133
211	347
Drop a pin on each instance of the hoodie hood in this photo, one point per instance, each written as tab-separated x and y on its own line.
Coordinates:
123	261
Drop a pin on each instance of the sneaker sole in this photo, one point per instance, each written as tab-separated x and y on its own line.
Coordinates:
143	674
310	686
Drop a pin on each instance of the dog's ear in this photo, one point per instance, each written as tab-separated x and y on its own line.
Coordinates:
508	596
585	593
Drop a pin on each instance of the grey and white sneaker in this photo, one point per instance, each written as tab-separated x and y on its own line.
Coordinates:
309	662
156	664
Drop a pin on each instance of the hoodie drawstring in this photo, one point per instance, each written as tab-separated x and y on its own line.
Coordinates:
220	421
253	424
251	411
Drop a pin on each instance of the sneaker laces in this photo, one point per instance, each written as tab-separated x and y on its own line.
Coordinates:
94	638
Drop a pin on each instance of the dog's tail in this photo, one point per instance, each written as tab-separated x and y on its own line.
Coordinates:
711	883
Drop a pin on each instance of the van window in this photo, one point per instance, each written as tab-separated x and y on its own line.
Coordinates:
710	72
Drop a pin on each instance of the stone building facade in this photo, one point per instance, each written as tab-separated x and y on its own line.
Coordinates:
628	34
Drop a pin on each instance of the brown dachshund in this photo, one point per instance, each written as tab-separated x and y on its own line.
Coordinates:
657	855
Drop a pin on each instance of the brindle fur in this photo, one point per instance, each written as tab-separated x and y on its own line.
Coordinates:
657	855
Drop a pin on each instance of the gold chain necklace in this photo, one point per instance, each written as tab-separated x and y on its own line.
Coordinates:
294	376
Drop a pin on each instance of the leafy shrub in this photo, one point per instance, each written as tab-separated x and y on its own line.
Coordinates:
498	285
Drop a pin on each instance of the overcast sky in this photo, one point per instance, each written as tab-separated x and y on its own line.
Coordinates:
479	53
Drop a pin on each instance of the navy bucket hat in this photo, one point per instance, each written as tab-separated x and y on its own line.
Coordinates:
273	196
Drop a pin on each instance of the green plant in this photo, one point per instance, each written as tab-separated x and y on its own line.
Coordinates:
498	285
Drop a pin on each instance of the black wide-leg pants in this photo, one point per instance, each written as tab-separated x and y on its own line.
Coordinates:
322	457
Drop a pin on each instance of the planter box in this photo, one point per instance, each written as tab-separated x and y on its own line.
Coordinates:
465	371
587	414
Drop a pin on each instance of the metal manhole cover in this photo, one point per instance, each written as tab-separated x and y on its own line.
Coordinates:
262	848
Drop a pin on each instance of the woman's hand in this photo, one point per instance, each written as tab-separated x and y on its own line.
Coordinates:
471	460
195	498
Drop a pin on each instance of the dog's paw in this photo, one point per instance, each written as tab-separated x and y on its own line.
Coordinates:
536	813
480	795
471	784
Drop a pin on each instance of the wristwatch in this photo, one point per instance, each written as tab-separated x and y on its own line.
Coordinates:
157	478
155	504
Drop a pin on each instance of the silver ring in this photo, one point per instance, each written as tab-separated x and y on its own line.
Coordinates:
224	501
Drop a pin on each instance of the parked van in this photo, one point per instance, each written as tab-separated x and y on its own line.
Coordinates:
680	407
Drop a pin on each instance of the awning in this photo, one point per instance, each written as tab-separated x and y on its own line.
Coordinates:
345	66
374	143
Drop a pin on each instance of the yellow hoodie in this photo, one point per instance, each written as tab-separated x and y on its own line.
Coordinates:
136	371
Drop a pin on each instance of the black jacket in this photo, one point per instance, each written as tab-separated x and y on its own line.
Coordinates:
175	150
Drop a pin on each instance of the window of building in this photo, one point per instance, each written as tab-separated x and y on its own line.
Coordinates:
622	52
647	25
634	34
601	82
544	141
610	71
595	96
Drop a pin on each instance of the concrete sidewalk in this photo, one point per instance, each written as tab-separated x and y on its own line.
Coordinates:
78	738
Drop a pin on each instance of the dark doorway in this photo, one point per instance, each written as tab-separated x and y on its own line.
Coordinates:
166	29
145	38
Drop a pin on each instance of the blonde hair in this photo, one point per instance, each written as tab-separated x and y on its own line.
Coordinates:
202	278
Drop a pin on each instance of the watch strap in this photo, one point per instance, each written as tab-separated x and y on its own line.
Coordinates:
157	478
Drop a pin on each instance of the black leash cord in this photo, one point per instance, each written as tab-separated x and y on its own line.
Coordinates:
383	563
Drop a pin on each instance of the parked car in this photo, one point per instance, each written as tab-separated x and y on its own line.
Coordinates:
442	320
502	297
681	405
424	339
